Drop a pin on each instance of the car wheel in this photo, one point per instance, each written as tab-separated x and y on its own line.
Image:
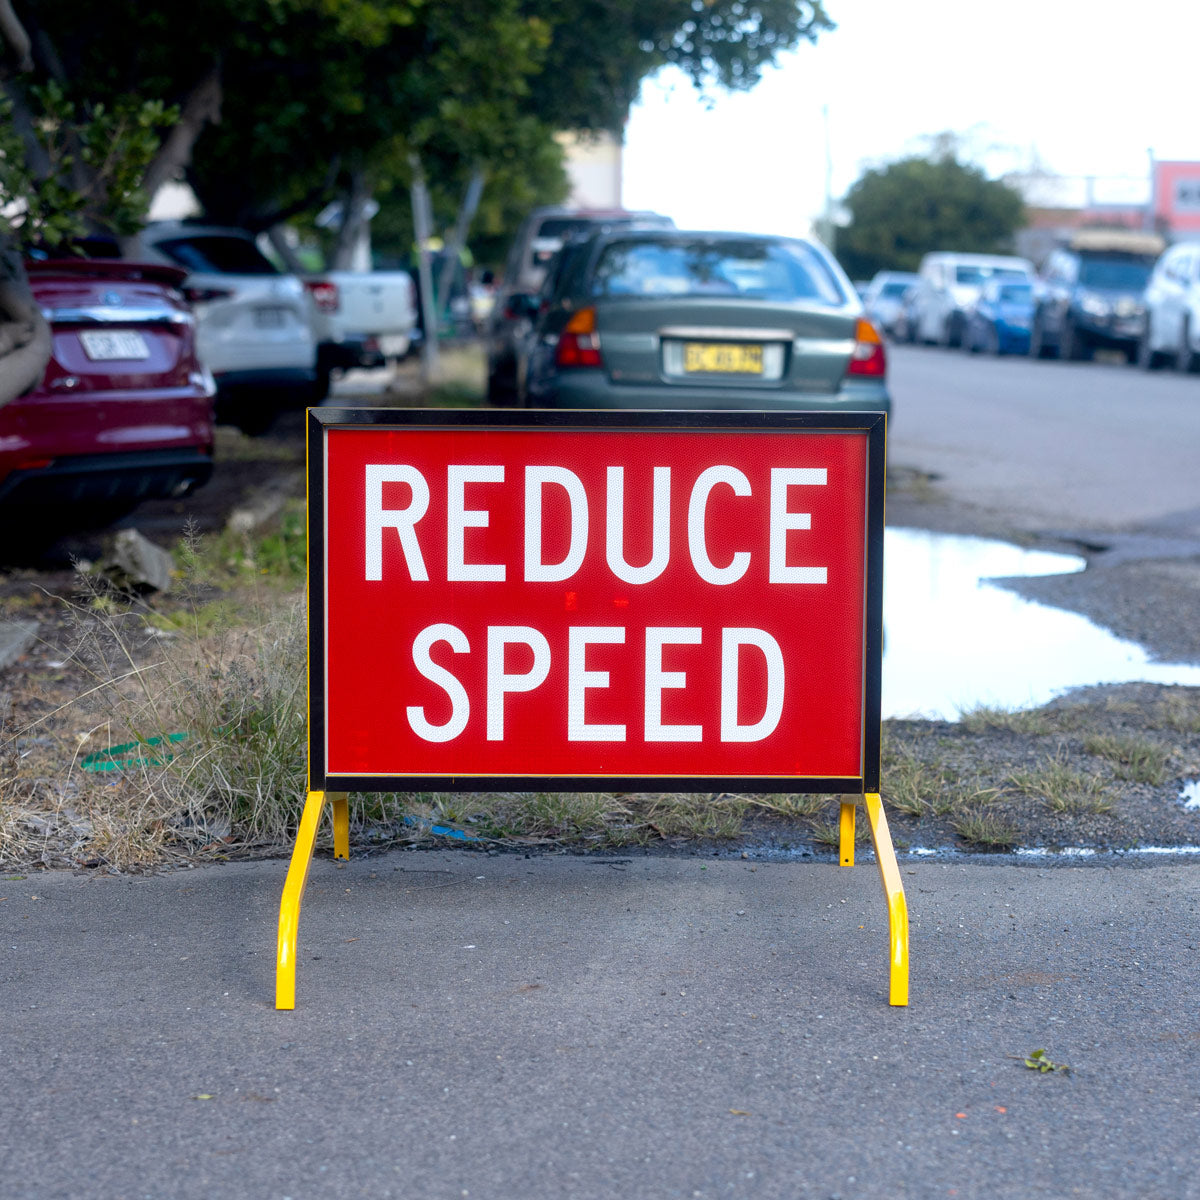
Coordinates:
501	390
1073	346
320	386
1188	361
1148	358
1037	341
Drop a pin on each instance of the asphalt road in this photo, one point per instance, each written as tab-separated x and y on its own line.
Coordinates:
537	1028
1052	445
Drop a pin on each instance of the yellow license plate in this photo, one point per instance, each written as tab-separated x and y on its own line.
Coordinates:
722	358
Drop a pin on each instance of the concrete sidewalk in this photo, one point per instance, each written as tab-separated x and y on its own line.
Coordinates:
524	1028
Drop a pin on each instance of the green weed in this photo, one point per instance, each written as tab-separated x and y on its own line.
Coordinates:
986	829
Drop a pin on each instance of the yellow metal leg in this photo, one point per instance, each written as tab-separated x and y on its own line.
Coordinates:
341	824
846	836
293	893
885	856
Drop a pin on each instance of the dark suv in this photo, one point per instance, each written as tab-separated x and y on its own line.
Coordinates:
541	236
1090	295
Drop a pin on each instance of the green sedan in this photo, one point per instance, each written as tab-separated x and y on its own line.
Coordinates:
670	319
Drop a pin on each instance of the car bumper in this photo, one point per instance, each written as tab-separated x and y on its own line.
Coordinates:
82	479
1118	332
593	389
267	378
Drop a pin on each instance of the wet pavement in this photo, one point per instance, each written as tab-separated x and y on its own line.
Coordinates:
954	639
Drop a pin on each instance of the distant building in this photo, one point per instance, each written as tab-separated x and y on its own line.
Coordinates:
1176	197
1166	199
593	163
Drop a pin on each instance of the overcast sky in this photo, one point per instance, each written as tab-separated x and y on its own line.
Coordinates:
1083	88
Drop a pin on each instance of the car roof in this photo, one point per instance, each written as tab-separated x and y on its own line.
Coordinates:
976	259
674	234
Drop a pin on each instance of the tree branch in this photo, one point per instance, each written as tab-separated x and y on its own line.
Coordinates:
13	33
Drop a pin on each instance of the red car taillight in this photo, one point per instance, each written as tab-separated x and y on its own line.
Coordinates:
324	293
579	345
199	295
868	357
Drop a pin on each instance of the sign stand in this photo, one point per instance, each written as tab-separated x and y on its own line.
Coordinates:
374	679
314	805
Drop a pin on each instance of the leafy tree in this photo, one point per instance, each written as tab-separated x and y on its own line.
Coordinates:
910	207
279	106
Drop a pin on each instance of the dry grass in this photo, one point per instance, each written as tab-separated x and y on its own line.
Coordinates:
1062	787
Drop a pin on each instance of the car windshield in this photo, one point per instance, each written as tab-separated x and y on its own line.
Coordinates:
895	290
980	273
1114	274
752	270
1016	293
217	254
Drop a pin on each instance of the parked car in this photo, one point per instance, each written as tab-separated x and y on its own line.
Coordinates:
1171	322
884	297
1090	295
541	236
904	324
124	410
949	284
1000	320
254	324
664	318
360	319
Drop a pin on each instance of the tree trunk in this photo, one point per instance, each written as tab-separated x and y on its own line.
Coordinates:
458	238
353	223
25	342
203	106
24	334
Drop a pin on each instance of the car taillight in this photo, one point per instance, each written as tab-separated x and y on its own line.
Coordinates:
324	293
579	345
199	295
868	357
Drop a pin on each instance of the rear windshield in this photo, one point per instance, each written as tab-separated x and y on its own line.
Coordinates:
215	254
895	290
1016	293
562	227
976	273
1117	274
754	270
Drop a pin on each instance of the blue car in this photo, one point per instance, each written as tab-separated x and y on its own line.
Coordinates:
1001	319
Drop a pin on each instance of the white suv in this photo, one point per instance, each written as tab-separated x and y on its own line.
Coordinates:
254	325
949	284
1172	302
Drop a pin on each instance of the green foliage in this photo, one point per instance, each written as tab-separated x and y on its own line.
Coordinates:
90	159
917	205
1036	1060
316	93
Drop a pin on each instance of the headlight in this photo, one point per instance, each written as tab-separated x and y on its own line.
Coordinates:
1093	305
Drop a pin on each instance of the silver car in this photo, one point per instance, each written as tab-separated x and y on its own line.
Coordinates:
685	320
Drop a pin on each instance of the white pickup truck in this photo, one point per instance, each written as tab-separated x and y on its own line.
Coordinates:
362	319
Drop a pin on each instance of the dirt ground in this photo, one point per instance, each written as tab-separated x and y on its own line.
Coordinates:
1100	769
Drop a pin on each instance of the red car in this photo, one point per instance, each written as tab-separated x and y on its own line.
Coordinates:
124	412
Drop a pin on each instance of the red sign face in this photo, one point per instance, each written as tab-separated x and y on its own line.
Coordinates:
591	603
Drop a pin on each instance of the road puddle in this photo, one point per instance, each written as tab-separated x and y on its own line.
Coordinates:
954	641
